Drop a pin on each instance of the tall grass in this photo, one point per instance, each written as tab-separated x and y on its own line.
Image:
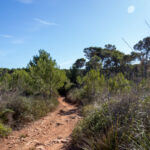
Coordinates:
115	125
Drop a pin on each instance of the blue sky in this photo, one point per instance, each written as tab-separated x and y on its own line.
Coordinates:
65	27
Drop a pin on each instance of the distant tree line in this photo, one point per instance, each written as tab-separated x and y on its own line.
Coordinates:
110	61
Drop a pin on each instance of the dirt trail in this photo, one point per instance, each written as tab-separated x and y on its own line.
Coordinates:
49	133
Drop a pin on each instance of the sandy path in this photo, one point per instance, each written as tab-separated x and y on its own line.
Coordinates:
49	133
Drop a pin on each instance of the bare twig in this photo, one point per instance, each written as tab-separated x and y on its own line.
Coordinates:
127	44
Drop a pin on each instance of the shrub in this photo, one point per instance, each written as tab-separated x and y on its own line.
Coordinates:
6	115
28	109
21	107
88	109
75	95
41	107
116	125
90	89
93	85
118	84
19	80
4	131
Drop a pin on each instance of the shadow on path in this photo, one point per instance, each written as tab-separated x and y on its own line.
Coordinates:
69	112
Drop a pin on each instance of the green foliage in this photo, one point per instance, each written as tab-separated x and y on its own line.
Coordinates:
88	109
79	63
19	80
108	58
144	85
113	126
76	96
31	93
143	49
90	87
118	84
6	81
4	131
46	76
94	63
21	106
79	80
113	120
93	84
41	107
5	114
67	85
25	109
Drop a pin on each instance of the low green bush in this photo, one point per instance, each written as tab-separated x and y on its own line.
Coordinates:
41	107
75	95
93	84
118	84
4	131
21	106
20	110
88	109
115	125
6	115
90	88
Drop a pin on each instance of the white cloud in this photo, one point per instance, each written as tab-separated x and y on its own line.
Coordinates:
6	36
131	9
18	41
25	1
44	22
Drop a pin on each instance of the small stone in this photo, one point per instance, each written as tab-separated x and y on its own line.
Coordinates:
59	137
59	124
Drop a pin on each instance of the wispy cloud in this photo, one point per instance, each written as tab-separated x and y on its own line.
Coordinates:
131	9
44	22
6	36
18	41
25	1
13	40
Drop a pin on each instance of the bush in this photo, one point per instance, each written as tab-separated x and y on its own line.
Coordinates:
6	115
4	131
41	107
94	84
19	80
21	106
118	84
75	95
88	109
25	109
116	125
90	89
